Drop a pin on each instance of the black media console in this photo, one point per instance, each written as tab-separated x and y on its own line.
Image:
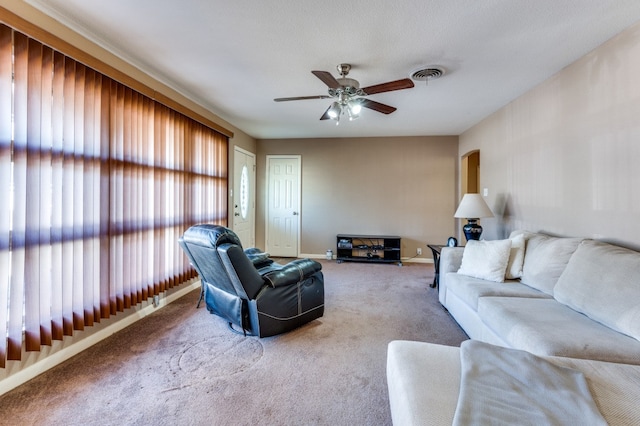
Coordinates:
368	248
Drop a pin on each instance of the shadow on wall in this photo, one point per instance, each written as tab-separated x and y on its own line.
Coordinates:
504	211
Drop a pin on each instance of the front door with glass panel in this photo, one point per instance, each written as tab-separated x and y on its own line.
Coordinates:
243	196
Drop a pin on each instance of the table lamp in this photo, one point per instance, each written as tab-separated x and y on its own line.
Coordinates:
472	207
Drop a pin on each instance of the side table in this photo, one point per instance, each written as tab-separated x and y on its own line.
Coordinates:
435	250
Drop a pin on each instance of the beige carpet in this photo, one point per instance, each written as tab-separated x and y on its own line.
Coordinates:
182	366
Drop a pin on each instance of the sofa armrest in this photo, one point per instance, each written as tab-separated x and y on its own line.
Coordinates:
292	273
450	261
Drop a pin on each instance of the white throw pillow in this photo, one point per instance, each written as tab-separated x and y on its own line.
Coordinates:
516	258
486	259
545	258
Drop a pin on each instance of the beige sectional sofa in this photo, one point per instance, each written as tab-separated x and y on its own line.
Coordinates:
424	386
570	301
573	297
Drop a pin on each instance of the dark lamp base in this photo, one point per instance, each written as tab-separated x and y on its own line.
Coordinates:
472	230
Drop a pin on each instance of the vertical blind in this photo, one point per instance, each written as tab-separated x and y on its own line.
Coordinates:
97	182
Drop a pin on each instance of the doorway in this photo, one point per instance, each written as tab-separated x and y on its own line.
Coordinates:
471	173
283	205
244	196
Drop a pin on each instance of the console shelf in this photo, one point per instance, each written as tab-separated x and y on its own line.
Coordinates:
368	248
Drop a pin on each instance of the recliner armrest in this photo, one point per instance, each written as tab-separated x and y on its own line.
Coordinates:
292	273
258	257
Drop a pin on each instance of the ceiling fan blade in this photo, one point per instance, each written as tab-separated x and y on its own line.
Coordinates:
301	98
404	83
377	106
325	116
327	79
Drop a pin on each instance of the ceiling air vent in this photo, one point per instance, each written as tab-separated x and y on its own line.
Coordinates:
426	74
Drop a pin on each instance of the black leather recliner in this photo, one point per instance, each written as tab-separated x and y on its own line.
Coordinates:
248	289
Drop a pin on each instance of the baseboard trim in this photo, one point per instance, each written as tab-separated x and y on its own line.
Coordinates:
66	353
403	260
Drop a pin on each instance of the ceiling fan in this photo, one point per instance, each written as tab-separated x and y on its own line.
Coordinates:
349	97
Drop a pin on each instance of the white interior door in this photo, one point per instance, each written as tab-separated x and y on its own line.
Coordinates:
283	205
244	196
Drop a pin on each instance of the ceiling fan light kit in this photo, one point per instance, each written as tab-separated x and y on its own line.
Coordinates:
349	97
334	111
351	107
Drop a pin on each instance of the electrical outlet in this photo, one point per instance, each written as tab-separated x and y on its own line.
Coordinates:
419	251
156	300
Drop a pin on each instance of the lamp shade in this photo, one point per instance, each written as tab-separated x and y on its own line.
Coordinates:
473	206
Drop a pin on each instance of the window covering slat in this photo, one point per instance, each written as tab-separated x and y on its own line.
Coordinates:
33	195
18	230
101	181
127	198
6	70
106	306
147	203
57	206
116	234
68	171
44	97
78	200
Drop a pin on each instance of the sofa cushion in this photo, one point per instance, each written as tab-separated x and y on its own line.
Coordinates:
603	282
486	259
421	382
470	289
516	257
546	327
544	260
424	383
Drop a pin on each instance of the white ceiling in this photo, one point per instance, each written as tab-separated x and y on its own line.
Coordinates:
235	57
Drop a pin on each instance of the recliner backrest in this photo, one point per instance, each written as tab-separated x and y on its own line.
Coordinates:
217	255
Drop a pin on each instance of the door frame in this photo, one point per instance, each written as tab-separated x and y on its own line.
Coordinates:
268	195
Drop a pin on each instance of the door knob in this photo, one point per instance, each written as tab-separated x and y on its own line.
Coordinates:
295	213
236	214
